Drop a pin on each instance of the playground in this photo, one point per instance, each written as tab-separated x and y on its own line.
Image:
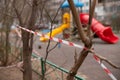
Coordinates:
55	51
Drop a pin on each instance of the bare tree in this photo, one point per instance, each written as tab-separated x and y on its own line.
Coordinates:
26	12
86	39
6	20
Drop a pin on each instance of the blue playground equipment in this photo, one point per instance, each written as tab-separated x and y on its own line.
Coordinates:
76	2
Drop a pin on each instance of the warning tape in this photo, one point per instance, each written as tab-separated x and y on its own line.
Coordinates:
72	44
105	68
53	38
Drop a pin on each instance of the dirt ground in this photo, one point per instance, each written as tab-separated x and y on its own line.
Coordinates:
13	73
10	74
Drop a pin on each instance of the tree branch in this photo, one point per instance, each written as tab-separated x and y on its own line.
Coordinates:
91	13
7	14
75	56
104	59
77	21
17	13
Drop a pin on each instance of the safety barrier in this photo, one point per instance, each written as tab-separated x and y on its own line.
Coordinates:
53	65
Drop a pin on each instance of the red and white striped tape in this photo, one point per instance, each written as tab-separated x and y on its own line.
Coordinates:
72	44
105	68
53	38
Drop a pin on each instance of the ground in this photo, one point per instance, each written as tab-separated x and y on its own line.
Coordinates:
13	73
63	56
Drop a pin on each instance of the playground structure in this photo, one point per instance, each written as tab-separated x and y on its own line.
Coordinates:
104	33
65	24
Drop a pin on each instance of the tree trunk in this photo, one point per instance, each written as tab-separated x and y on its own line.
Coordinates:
27	51
87	42
28	42
77	65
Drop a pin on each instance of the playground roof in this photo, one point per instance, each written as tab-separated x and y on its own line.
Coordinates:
76	2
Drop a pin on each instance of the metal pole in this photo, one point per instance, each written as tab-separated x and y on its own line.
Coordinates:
42	67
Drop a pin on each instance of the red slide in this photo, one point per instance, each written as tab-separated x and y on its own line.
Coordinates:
105	33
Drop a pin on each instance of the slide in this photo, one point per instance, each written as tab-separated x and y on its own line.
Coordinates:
105	33
66	24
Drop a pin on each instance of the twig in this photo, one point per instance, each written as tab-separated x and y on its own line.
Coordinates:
28	3
18	65
47	51
55	68
7	14
17	13
104	59
23	8
75	57
53	47
42	9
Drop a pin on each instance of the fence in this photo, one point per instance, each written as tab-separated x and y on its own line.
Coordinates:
54	72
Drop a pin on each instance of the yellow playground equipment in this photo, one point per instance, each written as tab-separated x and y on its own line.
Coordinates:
65	24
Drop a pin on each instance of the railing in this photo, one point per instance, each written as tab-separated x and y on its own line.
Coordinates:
62	70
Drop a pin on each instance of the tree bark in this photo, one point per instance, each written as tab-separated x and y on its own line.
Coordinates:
27	73
86	40
27	39
77	65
